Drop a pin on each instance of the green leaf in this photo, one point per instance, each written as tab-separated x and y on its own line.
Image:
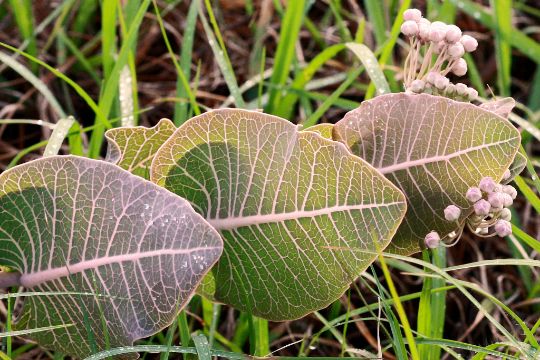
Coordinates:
324	130
502	107
300	216
133	148
433	149
75	224
519	163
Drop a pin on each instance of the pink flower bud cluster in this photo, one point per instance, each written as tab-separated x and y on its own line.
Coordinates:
491	214
490	204
422	73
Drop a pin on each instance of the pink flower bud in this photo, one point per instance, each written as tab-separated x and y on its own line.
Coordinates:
453	33
496	200
456	50
412	14
452	213
506	214
460	67
461	89
473	194
507	174
423	28
510	190
487	184
417	86
450	89
441	82
436	32
440	46
472	94
432	240
469	43
432	76
507	199
409	28
482	207
503	228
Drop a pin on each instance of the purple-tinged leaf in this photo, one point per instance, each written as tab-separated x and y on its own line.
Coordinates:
433	149
70	224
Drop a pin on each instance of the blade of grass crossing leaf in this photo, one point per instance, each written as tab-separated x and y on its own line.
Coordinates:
260	332
109	93
368	59
186	54
34	80
502	17
390	43
22	10
400	310
220	52
8	325
202	346
285	53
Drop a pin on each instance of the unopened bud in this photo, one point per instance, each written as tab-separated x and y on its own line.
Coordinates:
487	184
472	94
496	200
423	28
461	89
441	82
437	31
460	67
417	86
412	15
453	33
452	213
469	43
456	50
432	240
506	214
507	199
482	207
507	174
503	228
473	194
510	190
409	28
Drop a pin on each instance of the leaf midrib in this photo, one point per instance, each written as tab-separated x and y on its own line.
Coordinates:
234	222
33	279
424	161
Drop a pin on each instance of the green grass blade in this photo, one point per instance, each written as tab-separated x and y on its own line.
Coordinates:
375	12
22	11
202	346
58	135
390	43
288	103
503	21
285	53
368	59
34	80
220	52
260	334
108	36
186	56
109	93
516	38
532	198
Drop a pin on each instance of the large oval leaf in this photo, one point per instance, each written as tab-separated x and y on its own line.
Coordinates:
75	224
133	148
433	149
300	216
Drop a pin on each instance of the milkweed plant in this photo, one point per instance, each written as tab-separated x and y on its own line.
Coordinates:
250	210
